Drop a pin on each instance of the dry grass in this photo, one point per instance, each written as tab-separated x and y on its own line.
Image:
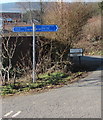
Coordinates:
91	40
93	28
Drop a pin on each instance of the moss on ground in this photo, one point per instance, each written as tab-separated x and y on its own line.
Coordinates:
46	81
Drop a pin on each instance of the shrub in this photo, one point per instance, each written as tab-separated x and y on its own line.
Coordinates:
92	30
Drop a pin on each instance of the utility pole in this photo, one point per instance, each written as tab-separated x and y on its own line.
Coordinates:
30	16
34	53
41	12
61	9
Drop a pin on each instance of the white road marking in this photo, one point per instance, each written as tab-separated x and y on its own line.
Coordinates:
7	114
16	114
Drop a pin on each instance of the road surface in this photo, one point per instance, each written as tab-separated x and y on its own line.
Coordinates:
78	100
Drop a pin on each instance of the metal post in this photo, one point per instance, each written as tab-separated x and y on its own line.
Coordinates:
33	52
80	60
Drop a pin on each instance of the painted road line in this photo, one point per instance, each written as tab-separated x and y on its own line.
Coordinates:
16	114
7	114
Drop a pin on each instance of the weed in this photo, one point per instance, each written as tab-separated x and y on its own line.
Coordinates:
7	90
56	78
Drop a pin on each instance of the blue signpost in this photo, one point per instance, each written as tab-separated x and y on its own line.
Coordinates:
35	28
46	28
38	28
23	29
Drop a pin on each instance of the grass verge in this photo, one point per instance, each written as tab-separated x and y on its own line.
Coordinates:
54	80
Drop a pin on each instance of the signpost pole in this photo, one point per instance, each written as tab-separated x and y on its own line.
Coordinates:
80	60
33	52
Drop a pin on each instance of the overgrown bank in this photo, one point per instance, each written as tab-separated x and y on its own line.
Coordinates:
46	82
55	80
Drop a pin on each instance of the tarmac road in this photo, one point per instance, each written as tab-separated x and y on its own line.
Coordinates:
78	100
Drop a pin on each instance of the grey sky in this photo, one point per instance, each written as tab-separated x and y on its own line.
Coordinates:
8	1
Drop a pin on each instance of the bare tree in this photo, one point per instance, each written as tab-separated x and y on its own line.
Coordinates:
8	51
24	67
70	18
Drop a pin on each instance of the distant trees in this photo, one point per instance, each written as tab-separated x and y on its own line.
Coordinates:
34	15
32	10
101	5
92	30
